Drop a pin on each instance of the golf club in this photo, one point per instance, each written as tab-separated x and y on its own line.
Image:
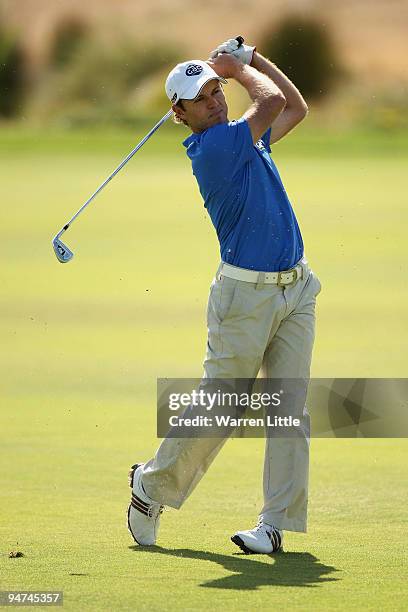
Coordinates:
61	250
63	253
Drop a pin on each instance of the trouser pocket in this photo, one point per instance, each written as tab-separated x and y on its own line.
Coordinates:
222	298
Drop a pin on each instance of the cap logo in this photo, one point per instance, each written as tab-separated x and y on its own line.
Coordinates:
193	70
174	98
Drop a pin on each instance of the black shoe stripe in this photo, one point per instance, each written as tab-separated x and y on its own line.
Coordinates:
137	501
277	539
139	508
140	501
274	540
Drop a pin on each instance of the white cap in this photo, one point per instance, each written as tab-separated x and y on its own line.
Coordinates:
187	79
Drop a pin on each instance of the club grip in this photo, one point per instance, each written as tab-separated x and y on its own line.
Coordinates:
240	40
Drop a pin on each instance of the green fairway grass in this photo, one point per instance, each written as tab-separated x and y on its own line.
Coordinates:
83	344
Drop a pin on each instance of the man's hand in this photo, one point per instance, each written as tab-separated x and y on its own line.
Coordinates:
242	52
226	65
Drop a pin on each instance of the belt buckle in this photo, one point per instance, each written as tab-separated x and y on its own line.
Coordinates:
293	271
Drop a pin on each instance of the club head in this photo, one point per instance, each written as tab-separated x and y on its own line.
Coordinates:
62	252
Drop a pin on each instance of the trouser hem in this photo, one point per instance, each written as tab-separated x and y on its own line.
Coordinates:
284	524
163	500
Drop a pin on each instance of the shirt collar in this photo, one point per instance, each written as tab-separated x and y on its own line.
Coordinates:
192	138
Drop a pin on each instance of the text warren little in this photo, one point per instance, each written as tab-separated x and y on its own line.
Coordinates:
228	421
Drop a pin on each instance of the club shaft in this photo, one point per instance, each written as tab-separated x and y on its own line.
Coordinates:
125	161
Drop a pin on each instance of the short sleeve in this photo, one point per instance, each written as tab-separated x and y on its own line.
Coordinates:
225	148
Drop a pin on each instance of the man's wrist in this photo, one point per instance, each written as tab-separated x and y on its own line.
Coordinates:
241	71
238	71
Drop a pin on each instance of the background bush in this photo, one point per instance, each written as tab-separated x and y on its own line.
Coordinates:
303	49
12	75
68	37
100	80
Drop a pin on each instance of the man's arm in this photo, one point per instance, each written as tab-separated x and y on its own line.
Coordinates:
296	108
268	100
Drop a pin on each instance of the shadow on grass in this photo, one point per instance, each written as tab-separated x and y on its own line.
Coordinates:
281	569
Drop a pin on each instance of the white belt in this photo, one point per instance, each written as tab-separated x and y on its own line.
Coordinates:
285	277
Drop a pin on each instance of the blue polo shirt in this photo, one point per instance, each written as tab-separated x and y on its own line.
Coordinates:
245	197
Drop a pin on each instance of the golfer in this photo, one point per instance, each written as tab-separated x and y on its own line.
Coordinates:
261	309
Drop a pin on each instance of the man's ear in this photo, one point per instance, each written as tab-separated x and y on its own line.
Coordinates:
178	111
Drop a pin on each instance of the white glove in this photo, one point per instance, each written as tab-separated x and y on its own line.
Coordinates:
244	52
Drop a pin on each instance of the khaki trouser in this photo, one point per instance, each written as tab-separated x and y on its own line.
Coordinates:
250	326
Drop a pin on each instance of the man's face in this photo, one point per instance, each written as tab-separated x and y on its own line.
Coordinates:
206	110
